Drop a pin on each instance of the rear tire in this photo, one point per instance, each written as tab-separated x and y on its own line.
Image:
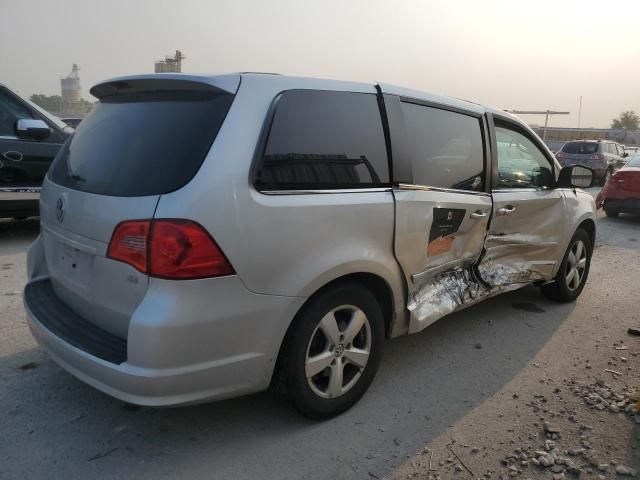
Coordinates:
333	351
574	270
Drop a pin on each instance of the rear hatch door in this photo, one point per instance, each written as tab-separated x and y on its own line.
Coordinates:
579	153
147	136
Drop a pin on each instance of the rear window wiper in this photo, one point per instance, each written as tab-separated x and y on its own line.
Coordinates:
76	178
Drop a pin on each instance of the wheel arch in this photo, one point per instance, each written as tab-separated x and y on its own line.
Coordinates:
587	224
380	288
590	227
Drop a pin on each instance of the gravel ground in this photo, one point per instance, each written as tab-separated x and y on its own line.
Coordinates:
469	395
550	399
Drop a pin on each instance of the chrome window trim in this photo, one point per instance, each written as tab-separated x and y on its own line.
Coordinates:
28	140
19	193
411	186
324	191
524	189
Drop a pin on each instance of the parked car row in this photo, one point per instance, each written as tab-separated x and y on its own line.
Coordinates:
206	237
30	138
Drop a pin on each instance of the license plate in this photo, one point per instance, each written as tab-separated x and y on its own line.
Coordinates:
73	263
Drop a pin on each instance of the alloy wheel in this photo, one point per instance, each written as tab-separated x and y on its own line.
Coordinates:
338	351
576	265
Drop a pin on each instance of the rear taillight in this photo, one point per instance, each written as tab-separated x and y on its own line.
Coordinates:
129	243
173	249
183	249
597	156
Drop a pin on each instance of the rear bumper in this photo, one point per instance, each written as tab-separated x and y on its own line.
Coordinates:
623	205
171	360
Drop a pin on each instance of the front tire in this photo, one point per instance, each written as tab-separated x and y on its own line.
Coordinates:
574	270
611	213
333	351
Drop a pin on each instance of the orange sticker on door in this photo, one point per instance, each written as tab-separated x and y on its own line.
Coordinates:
446	222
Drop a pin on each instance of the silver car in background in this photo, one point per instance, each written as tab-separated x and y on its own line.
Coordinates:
602	156
204	237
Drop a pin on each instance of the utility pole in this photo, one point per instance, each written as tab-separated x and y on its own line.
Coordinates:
546	113
579	114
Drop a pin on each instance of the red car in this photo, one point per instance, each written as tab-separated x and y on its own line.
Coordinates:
621	194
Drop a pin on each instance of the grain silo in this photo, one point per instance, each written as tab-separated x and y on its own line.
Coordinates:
71	92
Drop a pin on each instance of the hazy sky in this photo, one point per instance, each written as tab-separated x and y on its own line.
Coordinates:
537	54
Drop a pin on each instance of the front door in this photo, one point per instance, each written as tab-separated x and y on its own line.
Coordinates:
442	208
524	239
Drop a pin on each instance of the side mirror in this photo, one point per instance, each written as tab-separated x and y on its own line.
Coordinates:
625	155
575	176
32	128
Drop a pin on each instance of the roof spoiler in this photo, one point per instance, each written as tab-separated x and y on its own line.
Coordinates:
163	82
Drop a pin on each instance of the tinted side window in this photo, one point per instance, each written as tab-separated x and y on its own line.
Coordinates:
521	164
445	148
324	139
10	111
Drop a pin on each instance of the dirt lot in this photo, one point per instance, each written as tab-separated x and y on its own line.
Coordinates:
468	397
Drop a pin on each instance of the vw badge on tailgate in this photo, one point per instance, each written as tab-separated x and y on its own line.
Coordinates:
60	209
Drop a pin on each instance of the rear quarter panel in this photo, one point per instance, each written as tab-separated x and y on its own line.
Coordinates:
289	245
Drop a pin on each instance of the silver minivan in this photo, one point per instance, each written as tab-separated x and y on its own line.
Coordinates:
204	237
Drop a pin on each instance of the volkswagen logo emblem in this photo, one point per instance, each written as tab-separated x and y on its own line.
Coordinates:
60	209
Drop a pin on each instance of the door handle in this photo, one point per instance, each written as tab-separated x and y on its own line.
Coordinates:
13	156
478	214
506	210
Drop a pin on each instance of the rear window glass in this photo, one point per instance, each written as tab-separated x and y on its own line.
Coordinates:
634	162
585	148
145	143
325	140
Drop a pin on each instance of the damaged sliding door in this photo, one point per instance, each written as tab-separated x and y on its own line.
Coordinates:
442	207
439	235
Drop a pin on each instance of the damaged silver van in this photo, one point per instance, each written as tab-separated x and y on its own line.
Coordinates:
205	237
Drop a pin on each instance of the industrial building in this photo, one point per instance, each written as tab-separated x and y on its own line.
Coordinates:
71	92
170	64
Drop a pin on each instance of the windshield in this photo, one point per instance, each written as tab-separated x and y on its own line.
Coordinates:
145	143
582	148
634	161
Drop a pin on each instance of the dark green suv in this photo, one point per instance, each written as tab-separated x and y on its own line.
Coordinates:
30	138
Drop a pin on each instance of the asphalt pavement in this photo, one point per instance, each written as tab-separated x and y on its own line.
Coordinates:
54	426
